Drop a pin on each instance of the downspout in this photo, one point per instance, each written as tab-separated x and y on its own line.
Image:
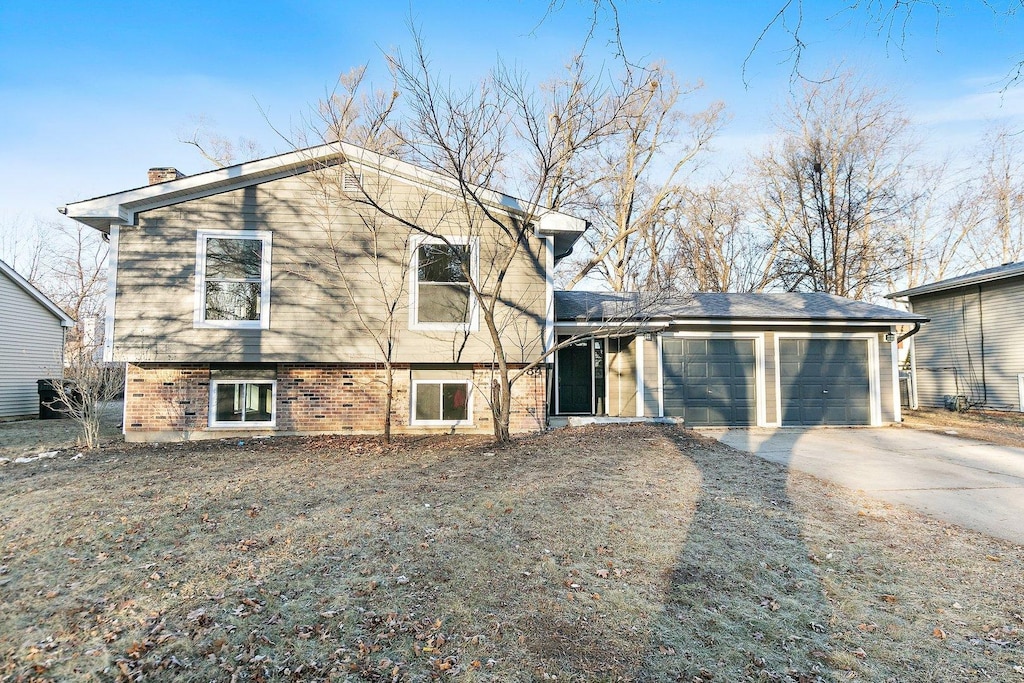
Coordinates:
981	326
907	335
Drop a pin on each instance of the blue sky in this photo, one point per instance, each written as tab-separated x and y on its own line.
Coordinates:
92	94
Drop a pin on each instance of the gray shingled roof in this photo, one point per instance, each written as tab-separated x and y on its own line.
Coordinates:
590	306
975	278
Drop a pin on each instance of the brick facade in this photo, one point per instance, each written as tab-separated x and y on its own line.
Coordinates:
172	401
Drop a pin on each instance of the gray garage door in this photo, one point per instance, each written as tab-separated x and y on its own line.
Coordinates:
824	381
709	381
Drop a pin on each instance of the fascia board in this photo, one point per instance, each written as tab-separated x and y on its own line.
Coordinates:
122	207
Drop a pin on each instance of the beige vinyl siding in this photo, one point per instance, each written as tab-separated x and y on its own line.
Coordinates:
31	347
652	365
960	319
622	377
888	400
314	312
771	387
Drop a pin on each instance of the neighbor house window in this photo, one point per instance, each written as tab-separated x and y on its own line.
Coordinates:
233	278
242	403
441	294
441	402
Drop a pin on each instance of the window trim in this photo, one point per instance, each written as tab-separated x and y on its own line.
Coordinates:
242	424
473	323
199	317
416	383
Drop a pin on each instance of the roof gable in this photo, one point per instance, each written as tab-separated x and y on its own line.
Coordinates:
44	301
121	208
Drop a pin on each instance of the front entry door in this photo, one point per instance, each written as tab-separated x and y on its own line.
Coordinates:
575	379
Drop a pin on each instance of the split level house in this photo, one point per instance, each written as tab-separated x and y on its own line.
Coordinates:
971	353
264	298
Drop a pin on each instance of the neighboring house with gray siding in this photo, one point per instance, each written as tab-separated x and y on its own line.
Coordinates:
973	346
31	343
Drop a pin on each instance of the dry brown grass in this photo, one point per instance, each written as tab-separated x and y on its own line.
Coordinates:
25	438
995	426
601	553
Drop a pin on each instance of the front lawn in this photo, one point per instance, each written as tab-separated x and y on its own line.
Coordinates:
599	553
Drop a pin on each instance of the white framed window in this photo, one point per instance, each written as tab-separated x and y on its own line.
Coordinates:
243	403
440	295
441	402
233	279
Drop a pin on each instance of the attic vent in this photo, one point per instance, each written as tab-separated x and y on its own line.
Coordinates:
351	182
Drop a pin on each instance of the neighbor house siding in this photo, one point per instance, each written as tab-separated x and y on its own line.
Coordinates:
313	311
31	348
949	355
771	387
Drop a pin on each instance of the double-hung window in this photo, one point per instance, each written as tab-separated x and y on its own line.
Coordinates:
441	402
441	296
233	278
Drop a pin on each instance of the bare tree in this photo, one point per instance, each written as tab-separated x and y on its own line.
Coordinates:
472	140
893	21
717	245
88	386
832	189
24	249
215	148
638	178
999	199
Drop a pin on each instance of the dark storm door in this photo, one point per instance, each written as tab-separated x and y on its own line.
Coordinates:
575	379
710	381
825	381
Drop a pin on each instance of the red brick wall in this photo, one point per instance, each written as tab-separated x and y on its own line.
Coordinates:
161	397
165	401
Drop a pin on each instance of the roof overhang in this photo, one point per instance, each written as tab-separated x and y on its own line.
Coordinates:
65	319
122	208
980	277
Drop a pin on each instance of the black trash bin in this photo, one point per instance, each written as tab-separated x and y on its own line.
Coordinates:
50	405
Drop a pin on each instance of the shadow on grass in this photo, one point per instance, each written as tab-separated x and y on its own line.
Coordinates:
618	553
743	601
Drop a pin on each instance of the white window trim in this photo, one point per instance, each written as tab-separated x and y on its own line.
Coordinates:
760	388
416	383
874	383
473	324
215	424
199	319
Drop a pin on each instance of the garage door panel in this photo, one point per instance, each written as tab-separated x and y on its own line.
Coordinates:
824	381
710	381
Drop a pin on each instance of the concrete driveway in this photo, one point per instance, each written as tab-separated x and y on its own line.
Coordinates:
971	483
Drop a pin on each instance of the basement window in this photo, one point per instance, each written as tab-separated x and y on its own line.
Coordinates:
242	403
441	402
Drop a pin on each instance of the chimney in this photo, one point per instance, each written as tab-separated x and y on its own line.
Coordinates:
162	174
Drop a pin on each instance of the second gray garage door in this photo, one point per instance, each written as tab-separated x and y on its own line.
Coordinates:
709	381
825	381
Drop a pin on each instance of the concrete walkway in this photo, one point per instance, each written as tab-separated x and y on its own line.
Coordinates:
971	483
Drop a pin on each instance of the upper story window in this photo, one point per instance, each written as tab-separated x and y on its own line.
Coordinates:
233	278
441	296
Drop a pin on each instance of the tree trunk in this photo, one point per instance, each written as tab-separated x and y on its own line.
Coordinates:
389	392
501	407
